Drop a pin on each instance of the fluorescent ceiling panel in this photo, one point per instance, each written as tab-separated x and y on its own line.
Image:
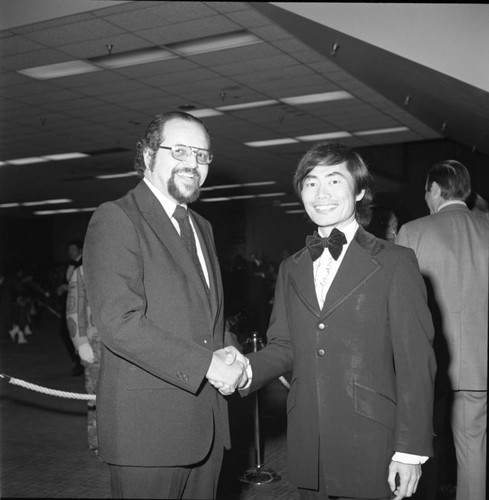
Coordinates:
314	98
214	43
133	58
248	105
65	156
271	142
45	202
26	161
320	137
9	205
230	186
383	131
204	113
58	70
116	176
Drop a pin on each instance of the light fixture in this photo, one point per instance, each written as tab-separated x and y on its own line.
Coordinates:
315	98
204	113
9	205
290	203
323	137
45	202
133	58
65	156
59	70
248	105
214	43
295	211
271	142
26	161
116	176
231	186
391	130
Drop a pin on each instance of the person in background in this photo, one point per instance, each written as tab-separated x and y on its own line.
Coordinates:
384	223
86	341
452	247
75	249
154	285
351	320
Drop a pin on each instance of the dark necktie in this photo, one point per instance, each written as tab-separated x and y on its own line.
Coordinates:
187	235
334	243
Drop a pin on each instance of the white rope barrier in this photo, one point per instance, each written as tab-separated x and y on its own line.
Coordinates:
45	390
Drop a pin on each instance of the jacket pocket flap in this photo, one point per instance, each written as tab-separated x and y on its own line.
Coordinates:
374	405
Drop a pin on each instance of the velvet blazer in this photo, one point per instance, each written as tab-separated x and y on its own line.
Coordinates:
159	330
362	366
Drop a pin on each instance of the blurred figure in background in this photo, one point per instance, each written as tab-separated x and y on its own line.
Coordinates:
452	246
384	223
87	344
75	248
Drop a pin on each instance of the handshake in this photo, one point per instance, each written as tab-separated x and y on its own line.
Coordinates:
227	370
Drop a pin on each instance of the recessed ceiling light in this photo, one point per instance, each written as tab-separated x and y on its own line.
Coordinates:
59	70
45	202
214	43
66	156
271	142
391	130
133	58
116	176
314	98
231	186
320	137
248	105
27	161
204	113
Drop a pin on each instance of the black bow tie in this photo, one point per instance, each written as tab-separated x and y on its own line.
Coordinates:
334	243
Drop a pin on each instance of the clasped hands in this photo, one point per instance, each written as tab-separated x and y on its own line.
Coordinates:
227	370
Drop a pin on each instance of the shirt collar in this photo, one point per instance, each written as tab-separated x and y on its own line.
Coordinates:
451	202
349	230
168	205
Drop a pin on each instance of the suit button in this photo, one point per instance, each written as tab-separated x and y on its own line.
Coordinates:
179	374
321	352
185	377
321	326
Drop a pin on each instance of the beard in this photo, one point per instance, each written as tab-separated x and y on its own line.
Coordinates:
186	194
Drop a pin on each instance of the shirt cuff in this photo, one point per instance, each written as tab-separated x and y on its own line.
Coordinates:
407	458
249	373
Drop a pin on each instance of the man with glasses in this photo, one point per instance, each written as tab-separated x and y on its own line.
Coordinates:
154	283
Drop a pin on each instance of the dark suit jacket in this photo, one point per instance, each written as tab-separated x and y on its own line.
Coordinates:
363	366
154	405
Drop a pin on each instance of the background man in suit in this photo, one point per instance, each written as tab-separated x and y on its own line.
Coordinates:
452	246
353	324
158	307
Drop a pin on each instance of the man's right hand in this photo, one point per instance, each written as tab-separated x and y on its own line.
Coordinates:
227	370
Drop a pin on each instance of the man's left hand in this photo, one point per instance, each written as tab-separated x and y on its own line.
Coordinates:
407	479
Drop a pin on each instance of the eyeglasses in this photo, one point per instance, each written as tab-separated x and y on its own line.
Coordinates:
182	152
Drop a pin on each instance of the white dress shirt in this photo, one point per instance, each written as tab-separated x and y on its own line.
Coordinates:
169	207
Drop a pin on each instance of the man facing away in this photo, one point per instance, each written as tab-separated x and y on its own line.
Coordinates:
352	323
452	247
154	284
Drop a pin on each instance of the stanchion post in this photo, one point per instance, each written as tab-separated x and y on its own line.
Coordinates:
258	474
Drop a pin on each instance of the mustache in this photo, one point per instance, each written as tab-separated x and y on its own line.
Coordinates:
186	170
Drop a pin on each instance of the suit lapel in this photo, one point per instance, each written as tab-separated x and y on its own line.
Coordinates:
159	221
302	280
358	266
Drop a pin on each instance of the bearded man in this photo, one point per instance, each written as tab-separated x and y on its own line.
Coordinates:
154	284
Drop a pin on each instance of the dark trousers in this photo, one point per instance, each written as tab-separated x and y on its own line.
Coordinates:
198	481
